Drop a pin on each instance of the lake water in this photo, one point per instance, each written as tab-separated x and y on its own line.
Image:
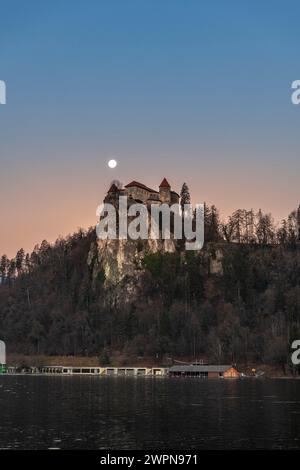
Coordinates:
41	412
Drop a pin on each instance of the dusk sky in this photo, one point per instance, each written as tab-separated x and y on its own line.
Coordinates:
194	91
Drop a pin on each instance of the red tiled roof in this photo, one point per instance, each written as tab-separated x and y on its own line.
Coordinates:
139	185
164	184
113	189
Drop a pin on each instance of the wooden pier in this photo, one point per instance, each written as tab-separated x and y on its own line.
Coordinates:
103	371
193	370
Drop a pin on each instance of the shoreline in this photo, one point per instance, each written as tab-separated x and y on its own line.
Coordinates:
117	360
160	377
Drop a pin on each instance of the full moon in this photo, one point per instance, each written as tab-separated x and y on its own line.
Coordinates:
112	163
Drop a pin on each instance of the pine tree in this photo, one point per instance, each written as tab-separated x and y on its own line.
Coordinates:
212	222
20	258
292	228
185	197
298	222
265	231
249	227
238	219
11	271
3	267
282	233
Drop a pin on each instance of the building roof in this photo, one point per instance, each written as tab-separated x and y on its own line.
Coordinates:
164	184
136	184
199	368
113	189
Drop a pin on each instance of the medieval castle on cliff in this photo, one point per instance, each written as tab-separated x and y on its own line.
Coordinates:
138	192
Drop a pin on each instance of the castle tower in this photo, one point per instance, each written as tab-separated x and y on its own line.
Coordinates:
113	189
165	191
112	195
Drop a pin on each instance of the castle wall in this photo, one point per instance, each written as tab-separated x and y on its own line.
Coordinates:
165	195
174	198
138	193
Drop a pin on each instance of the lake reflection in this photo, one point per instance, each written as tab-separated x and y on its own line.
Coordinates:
40	412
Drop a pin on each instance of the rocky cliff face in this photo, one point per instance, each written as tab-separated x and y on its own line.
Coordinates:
120	262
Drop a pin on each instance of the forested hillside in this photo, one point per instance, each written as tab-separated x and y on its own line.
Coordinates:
51	301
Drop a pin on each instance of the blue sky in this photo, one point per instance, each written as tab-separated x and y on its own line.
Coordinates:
194	91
